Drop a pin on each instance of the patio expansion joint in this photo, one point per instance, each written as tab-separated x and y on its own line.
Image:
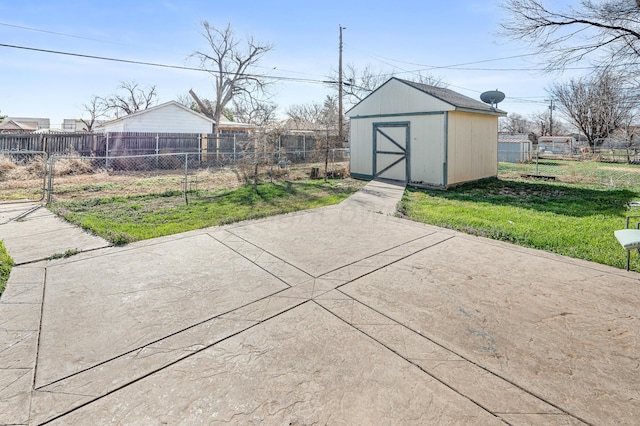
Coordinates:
163	367
386	251
265	251
464	359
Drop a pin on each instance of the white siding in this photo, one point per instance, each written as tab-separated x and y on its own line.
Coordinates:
396	97
167	118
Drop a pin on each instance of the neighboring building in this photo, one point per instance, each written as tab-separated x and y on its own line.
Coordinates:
75	125
170	117
11	126
23	124
556	144
423	134
514	148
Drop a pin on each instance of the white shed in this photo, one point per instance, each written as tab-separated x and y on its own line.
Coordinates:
170	117
423	134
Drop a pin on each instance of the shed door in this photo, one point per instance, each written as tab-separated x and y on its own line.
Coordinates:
391	150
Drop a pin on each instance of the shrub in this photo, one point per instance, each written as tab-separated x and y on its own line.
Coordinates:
6	166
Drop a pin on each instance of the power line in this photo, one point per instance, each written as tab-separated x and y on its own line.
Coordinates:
60	34
457	65
153	64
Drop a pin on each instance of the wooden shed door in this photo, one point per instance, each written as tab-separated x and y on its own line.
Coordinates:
391	150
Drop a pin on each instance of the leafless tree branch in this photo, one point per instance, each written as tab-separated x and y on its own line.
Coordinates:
606	31
230	61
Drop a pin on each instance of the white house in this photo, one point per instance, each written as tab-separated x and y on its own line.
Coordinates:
423	134
170	117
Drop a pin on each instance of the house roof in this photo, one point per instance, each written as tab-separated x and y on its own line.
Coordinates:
225	123
154	108
513	138
452	98
18	125
556	138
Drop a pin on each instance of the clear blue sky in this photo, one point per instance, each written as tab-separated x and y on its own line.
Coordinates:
394	36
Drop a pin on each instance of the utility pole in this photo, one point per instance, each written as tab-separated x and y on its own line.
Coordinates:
551	108
340	120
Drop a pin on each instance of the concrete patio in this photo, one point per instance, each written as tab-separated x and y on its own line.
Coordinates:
339	315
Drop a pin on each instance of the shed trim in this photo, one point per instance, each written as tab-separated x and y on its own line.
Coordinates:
403	114
445	171
407	126
361	176
475	111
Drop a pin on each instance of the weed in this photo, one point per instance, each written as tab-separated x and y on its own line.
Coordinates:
68	253
5	267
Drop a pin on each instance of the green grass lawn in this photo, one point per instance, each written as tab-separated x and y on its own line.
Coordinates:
5	267
580	172
125	219
572	220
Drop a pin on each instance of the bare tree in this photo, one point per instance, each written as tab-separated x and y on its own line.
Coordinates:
315	115
607	31
515	124
203	106
253	111
598	105
96	108
543	123
230	65
130	97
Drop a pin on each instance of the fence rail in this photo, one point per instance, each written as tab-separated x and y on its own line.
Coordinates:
114	144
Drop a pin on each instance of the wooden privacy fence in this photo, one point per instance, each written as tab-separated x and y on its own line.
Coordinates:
116	144
51	143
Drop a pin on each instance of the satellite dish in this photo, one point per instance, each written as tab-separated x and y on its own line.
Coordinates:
492	97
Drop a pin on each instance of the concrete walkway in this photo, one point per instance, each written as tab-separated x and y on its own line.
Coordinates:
330	316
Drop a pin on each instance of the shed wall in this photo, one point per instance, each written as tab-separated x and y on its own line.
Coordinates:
427	155
472	147
426	146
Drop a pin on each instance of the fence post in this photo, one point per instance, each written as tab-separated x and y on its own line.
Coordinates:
51	166
157	148
186	178
106	153
304	146
234	148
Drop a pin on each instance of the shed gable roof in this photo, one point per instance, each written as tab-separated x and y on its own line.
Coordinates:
445	99
455	99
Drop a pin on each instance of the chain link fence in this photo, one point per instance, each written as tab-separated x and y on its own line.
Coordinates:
183	175
23	175
601	169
